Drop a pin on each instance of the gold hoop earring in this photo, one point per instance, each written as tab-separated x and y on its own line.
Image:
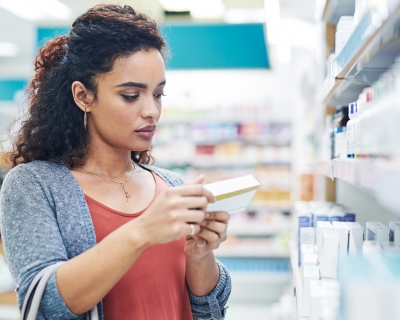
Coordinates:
85	120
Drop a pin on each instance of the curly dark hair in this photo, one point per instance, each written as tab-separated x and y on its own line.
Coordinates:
53	129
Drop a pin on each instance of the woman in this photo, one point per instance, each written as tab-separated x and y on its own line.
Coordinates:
81	190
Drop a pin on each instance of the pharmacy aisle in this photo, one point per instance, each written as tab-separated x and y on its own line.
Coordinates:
346	253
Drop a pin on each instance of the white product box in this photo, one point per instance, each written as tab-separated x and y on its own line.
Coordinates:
394	227
322	225
305	249
356	237
377	231
309	273
318	291
309	259
307	235
329	254
232	195
303	221
343	230
371	248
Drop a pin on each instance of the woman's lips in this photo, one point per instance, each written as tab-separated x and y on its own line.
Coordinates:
146	132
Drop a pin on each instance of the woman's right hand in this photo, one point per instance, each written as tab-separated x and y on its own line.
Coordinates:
169	217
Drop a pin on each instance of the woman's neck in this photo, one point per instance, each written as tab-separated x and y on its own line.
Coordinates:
112	163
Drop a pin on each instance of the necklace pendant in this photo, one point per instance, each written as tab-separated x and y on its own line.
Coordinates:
127	195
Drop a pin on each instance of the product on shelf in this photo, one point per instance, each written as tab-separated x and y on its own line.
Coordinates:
350	143
309	259
343	231
321	226
394	227
377	231
306	249
328	255
373	125
344	30
356	238
309	273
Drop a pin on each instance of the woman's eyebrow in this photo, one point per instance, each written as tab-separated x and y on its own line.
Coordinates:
139	85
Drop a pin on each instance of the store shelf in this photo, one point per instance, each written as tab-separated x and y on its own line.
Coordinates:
325	168
210	164
256	142
371	49
334	9
379	178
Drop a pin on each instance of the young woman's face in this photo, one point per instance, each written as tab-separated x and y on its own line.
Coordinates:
128	104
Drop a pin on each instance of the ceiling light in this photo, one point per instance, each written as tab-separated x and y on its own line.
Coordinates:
37	9
206	9
8	49
175	5
273	20
242	15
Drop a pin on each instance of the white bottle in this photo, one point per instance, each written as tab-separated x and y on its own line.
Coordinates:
350	129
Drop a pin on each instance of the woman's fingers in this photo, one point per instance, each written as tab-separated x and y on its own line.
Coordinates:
194	190
192	229
215	226
218	216
211	237
200	242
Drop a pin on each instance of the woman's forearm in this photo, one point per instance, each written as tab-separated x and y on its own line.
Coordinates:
202	275
84	280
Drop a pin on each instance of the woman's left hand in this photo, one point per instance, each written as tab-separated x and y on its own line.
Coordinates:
212	234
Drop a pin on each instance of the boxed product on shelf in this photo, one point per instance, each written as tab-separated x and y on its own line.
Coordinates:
356	237
343	231
394	227
328	255
309	273
377	231
344	30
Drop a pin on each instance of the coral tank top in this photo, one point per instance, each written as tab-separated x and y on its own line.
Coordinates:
154	288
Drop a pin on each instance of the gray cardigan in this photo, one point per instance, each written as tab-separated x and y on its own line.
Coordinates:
45	219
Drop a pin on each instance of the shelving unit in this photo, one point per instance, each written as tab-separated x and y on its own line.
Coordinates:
369	52
374	177
334	9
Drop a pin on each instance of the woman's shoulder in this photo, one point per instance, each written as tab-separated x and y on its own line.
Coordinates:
36	171
173	179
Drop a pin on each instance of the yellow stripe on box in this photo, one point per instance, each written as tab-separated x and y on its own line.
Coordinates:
235	193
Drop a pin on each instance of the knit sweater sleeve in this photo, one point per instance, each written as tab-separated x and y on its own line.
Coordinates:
31	238
211	306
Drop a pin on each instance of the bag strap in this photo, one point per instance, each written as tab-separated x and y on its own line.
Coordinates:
35	292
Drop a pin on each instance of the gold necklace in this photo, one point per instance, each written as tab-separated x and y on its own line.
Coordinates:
121	183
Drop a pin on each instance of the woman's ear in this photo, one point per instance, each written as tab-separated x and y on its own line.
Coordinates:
82	96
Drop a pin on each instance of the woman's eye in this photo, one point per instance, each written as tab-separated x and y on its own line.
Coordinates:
129	98
159	95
